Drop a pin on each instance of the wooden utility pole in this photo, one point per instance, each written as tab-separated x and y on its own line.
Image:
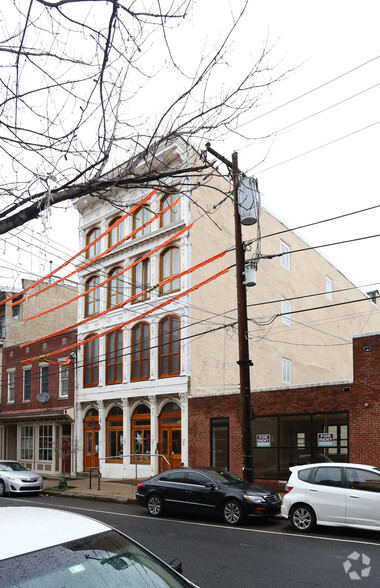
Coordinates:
246	411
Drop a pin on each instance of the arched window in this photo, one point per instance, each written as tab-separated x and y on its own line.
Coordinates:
115	288
114	357
169	347
169	266
140	217
114	428
141	279
171	215
141	435
92	299
117	233
91	362
94	249
140	352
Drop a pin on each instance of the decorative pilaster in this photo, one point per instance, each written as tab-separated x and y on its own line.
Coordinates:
153	433
183	398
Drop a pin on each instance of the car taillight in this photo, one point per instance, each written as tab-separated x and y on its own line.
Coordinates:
288	488
139	486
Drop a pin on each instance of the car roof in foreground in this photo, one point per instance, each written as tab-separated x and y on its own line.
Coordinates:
332	464
30	528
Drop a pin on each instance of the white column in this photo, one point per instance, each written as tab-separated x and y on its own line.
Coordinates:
102	434
153	434
126	435
78	437
184	429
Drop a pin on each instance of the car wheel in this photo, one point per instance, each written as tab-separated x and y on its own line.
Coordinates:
155	505
303	518
2	488
232	512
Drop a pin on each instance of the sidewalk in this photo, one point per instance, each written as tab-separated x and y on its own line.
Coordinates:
110	489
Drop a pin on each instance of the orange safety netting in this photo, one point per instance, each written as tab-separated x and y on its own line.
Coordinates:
45	359
132	211
132	298
114	276
137	318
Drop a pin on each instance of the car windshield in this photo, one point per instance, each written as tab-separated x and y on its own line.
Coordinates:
225	477
15	466
106	559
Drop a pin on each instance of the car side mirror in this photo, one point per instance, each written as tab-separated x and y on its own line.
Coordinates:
176	564
210	485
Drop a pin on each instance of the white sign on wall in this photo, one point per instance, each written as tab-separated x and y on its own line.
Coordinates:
263	440
325	439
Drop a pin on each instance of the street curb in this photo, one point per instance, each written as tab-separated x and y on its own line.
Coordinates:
90	496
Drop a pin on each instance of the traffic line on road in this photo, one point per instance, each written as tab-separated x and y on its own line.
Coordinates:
200	524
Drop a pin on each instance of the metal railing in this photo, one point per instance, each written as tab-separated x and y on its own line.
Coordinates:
139	459
98	470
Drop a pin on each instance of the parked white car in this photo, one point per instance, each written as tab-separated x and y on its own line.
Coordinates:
44	547
335	494
16	478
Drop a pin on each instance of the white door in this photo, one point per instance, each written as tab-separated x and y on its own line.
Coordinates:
327	495
363	497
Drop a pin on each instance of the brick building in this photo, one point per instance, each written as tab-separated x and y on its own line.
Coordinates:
291	422
37	406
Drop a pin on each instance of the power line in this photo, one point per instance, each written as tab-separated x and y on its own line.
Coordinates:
319	147
310	91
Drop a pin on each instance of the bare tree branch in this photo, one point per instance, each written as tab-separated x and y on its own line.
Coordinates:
82	95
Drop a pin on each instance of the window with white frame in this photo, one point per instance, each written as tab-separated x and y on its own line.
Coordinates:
26	384
329	288
285	311
27	442
11	387
285	255
286	370
63	381
44	379
45	443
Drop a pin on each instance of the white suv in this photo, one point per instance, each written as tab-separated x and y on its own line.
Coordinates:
335	494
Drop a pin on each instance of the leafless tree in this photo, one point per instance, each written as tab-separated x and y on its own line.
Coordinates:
89	84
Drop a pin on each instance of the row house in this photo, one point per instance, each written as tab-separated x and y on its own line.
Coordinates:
157	318
37	407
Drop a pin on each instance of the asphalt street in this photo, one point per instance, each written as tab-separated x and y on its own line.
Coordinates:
266	553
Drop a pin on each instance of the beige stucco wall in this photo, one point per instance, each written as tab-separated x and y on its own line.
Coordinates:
21	330
318	343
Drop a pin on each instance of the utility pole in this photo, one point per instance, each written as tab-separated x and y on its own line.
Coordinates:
246	410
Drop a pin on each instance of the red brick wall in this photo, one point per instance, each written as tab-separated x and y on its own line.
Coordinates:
12	358
362	401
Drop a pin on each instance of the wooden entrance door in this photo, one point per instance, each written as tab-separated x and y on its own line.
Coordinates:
91	454
91	440
171	448
170	436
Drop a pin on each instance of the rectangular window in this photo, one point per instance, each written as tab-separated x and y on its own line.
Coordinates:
285	255
294	441
27	442
285	310
63	381
45	443
329	288
286	370
114	357
220	442
44	379
140	280
27	378
11	387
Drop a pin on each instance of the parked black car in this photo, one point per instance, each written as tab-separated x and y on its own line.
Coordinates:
207	490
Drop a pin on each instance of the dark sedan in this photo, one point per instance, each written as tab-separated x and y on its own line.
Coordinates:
209	491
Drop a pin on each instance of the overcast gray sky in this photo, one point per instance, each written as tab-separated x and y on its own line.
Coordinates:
312	165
